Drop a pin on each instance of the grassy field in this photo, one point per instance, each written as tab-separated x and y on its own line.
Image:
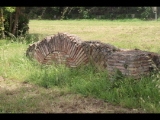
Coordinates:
26	86
125	34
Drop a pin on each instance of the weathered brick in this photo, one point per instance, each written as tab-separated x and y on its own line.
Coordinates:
70	50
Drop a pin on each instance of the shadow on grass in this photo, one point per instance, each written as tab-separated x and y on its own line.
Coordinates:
88	81
21	97
28	98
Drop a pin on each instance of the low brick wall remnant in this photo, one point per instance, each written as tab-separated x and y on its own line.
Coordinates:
70	50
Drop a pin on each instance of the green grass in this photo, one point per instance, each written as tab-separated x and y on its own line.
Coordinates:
126	92
124	34
86	80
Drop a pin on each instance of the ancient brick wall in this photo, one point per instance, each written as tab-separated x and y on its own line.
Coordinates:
61	48
131	63
70	50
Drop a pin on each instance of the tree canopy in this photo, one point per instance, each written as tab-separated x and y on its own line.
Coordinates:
14	20
89	12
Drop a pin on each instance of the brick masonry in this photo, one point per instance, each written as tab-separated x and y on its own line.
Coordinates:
68	49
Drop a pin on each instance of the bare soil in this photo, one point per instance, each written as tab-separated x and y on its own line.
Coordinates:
21	97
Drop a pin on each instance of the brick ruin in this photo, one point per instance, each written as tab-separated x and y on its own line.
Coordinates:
68	49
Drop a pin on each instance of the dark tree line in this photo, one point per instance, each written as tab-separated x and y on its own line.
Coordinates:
14	20
89	12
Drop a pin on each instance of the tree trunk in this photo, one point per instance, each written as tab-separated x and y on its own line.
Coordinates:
63	12
16	20
2	24
10	22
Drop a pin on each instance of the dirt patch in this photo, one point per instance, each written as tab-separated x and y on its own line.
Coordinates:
1	78
78	104
28	98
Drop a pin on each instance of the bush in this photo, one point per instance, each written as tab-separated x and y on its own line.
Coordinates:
22	27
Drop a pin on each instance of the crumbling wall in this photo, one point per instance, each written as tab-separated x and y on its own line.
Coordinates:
61	48
98	52
70	50
131	63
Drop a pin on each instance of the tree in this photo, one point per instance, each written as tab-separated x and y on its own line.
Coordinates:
10	10
16	21
2	23
18	9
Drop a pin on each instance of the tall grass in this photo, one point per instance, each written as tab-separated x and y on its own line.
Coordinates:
87	80
127	92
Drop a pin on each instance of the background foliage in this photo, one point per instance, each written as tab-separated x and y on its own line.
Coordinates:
14	20
89	12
